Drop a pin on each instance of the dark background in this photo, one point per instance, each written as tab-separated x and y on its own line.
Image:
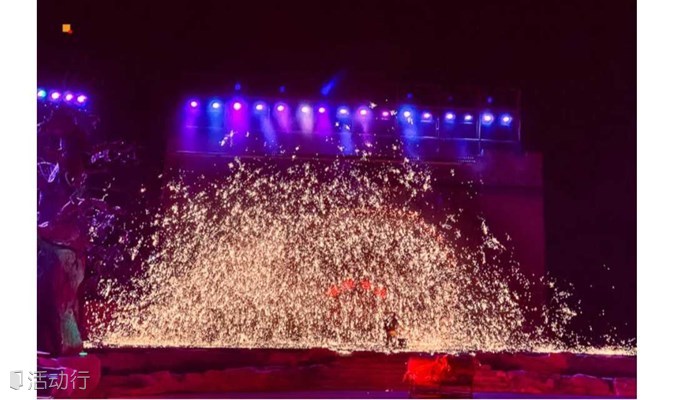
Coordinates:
575	62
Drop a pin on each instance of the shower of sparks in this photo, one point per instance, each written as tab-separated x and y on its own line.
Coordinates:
318	255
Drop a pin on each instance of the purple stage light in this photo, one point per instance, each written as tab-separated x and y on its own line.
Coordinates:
506	119
426	116
322	110
386	114
488	118
194	104
305	118
68	97
363	112
236	106
81	99
55	96
41	93
449	116
468	117
281	107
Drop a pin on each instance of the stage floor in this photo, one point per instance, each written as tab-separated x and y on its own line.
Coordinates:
322	373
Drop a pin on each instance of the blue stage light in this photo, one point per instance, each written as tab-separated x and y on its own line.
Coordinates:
487	118
326	89
194	104
450	117
55	96
259	106
81	99
216	105
407	114
41	93
506	119
468	118
343	112
427	117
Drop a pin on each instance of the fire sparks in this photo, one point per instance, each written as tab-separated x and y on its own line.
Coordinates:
318	255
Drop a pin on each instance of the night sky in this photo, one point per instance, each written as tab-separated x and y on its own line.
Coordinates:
575	62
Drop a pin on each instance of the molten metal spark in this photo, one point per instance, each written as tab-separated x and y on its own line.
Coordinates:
320	256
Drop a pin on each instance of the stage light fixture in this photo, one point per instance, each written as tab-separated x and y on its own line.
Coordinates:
506	119
237	106
81	99
487	118
449	117
41	93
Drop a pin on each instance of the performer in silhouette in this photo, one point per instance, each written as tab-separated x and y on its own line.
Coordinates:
391	329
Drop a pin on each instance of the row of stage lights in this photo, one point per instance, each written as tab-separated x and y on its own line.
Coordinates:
343	112
56	96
